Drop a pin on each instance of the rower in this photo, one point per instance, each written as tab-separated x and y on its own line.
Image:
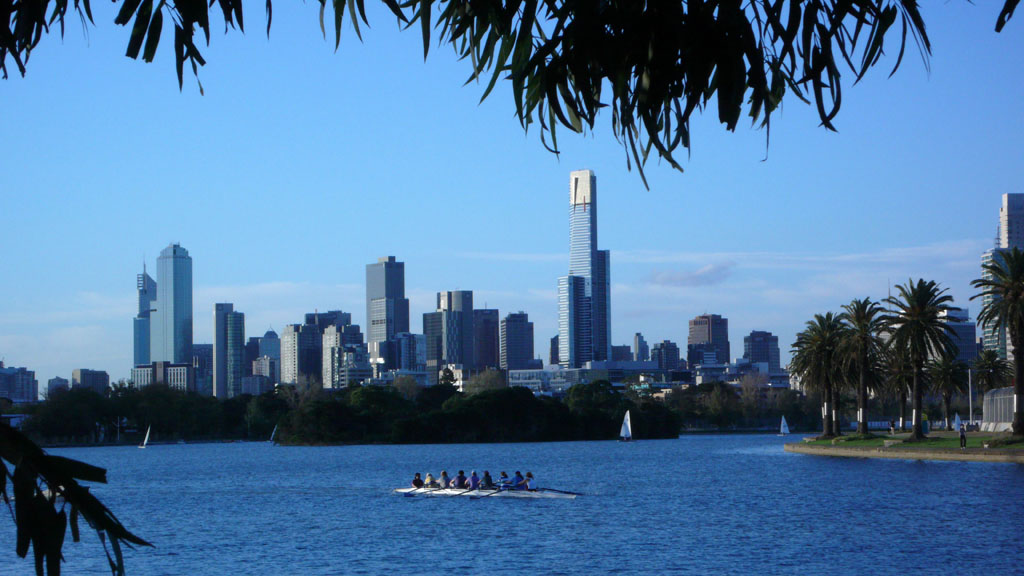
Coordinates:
474	481
430	482
445	481
459	481
503	481
417	482
487	483
518	482
531	484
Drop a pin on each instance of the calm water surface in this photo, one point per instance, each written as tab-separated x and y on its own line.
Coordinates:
697	505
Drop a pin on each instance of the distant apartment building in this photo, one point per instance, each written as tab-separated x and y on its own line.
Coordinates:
336	343
666	354
710	332
964	334
202	368
228	351
1009	235
553	358
486	339
177	376
56	384
516	342
623	353
410	352
448	333
267	367
302	346
760	347
641	351
96	380
18	384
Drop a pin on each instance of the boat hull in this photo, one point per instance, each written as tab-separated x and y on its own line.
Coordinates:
523	494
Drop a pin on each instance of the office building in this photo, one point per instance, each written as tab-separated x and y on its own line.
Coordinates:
335	341
666	354
448	332
170	336
387	308
146	287
584	299
964	334
96	380
622	353
177	376
266	366
410	352
302	347
761	347
486	339
641	352
1009	235
711	332
228	351
18	384
56	384
516	336
553	358
270	346
202	368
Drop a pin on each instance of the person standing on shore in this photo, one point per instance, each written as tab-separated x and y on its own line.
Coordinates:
963	436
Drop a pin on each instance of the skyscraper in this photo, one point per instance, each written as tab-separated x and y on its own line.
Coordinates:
486	339
1009	235
448	332
964	334
641	352
302	347
584	299
710	332
170	337
762	347
387	308
146	287
666	354
228	351
516	342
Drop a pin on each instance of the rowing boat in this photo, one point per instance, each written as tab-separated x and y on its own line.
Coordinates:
539	494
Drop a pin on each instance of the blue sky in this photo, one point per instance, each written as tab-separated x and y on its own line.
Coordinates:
300	165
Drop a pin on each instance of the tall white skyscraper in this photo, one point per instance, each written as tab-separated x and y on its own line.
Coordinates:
1010	235
170	333
584	298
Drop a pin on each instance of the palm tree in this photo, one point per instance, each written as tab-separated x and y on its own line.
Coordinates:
918	326
898	376
948	377
860	348
991	371
1003	281
815	360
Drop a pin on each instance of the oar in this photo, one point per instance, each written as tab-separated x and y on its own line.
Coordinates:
496	490
559	491
411	494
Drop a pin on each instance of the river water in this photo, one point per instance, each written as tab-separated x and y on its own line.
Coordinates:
697	505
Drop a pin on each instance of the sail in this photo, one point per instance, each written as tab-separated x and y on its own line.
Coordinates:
273	434
145	441
956	422
784	428
626	431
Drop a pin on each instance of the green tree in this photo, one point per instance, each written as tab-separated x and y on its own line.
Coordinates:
897	378
447	377
860	348
816	360
991	371
947	377
652	64
1003	283
487	380
406	386
918	326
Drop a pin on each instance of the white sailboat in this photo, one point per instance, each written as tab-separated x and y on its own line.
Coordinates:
783	428
273	434
146	439
626	432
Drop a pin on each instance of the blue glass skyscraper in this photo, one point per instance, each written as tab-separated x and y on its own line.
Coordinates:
170	337
141	325
584	299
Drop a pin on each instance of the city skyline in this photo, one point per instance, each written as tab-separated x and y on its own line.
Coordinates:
824	218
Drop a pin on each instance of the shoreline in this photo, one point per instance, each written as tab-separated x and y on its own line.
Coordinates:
910	453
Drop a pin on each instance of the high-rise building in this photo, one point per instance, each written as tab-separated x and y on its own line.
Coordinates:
228	351
1009	235
553	358
410	352
666	354
641	352
448	332
335	343
302	347
486	339
146	287
712	331
18	384
96	380
387	308
622	353
170	336
584	299
270	346
964	334
202	368
252	352
57	384
762	347
516	342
